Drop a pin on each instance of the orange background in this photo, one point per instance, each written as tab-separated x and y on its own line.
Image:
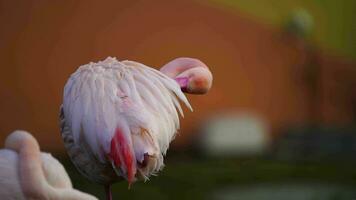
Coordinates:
255	67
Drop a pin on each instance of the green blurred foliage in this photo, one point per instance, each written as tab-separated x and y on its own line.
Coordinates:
334	26
196	178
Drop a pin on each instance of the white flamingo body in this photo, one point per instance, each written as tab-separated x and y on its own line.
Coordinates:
27	173
118	115
118	118
9	179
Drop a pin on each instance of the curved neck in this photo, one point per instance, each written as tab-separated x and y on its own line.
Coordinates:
179	65
32	178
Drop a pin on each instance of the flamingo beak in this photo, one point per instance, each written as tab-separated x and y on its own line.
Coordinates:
183	83
195	84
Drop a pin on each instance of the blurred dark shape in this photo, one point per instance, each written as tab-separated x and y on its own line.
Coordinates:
308	68
300	23
316	144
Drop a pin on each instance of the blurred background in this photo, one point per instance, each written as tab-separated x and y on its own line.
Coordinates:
279	122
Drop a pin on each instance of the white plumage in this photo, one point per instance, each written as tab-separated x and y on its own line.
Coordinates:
118	118
27	173
9	177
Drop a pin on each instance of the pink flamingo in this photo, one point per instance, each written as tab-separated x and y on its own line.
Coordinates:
27	173
118	118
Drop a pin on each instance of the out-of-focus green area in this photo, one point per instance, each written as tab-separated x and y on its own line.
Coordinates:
231	160
334	21
186	177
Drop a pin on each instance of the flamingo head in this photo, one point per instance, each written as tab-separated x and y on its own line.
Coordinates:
192	75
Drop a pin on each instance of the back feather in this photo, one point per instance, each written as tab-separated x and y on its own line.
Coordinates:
100	97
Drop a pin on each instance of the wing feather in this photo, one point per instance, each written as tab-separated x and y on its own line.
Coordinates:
101	97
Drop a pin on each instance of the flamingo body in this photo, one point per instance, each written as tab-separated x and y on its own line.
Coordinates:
118	118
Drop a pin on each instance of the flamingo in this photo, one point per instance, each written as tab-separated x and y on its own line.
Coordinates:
27	173
118	117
